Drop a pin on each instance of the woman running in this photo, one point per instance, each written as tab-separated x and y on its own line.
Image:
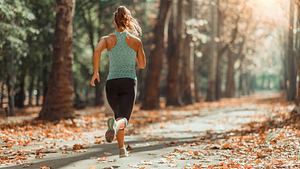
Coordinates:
125	51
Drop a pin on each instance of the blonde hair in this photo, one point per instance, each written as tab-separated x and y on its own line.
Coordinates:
124	19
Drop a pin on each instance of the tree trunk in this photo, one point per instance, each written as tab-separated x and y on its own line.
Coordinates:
10	83
151	96
230	85
298	61
59	99
188	81
10	95
38	91
175	50
196	80
37	97
211	91
1	95
219	58
247	83
45	78
30	89
20	95
219	78
291	92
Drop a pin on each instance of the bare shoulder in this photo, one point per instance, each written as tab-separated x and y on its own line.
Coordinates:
134	39
134	42
109	37
110	40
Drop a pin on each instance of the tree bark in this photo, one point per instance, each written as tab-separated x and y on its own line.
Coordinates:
219	58
1	95
151	95
298	61
59	99
211	90
38	90
188	81
20	94
10	95
175	50
10	83
45	78
219	78
30	89
196	80
230	85
291	92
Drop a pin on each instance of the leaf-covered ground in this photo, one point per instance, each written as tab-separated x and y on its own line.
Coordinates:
251	132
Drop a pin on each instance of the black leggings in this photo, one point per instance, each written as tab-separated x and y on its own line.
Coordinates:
121	94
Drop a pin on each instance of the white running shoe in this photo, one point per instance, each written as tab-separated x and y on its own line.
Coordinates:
123	152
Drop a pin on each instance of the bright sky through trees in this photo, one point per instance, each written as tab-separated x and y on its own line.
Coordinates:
271	10
273	17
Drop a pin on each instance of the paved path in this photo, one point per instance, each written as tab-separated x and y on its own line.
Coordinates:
151	146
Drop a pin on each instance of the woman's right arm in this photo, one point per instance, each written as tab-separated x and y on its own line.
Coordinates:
102	45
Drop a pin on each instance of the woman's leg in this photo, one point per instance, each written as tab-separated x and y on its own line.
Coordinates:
121	124
111	89
127	100
120	138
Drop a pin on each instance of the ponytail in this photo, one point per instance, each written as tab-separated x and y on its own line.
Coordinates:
124	19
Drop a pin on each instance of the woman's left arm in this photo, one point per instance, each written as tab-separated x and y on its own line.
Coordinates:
141	58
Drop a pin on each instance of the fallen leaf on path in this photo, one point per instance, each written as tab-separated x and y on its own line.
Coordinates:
45	167
102	159
78	146
146	163
226	146
133	165
92	167
98	141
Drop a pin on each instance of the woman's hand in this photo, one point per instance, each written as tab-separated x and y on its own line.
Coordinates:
95	76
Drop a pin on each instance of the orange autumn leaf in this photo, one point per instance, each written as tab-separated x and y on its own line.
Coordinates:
78	147
226	146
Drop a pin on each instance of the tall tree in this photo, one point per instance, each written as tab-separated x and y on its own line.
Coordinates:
230	84
291	66
231	58
152	92
173	95
212	77
188	80
298	58
59	98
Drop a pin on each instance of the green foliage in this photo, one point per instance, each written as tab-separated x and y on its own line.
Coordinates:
15	27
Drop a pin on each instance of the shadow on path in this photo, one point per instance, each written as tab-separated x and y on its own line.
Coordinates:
98	151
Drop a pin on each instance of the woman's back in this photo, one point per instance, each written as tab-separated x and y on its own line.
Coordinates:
122	58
